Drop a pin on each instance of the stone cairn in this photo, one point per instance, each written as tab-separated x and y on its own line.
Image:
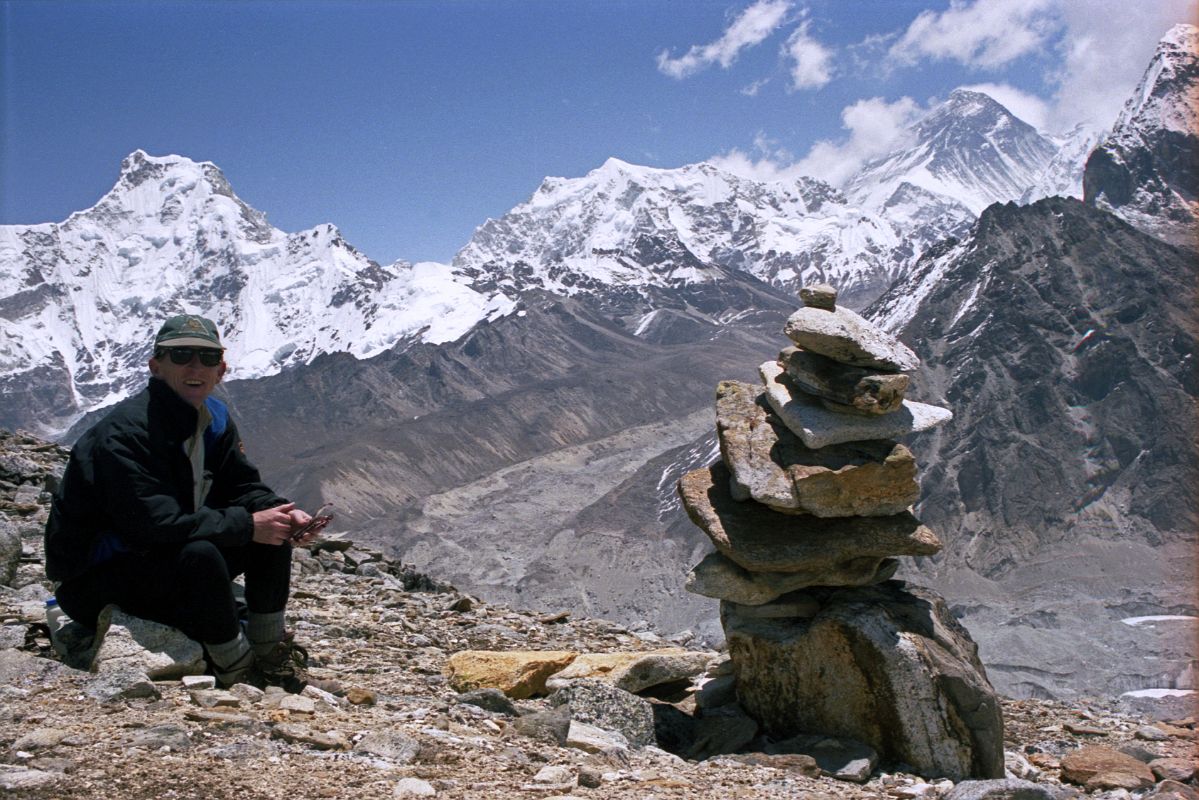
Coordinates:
808	509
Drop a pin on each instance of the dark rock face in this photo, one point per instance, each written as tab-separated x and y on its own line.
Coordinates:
1063	339
1147	170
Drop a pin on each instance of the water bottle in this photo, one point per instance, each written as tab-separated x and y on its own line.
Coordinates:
55	620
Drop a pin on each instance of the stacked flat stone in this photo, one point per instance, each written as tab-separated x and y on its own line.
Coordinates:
808	510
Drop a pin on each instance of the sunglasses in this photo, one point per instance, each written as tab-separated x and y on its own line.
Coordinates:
183	355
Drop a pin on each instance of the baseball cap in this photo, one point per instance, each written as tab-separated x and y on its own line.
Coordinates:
188	330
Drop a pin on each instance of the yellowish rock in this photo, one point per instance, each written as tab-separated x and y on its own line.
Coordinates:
518	674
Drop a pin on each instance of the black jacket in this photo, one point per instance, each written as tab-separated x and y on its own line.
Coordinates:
128	485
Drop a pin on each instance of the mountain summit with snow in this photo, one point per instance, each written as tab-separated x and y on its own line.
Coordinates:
82	298
611	228
1147	170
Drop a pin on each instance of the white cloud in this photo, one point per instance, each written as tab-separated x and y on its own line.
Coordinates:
875	127
987	34
1105	52
1028	107
811	62
764	168
772	163
748	29
755	87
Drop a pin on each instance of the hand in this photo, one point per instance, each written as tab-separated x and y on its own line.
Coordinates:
299	518
274	525
308	526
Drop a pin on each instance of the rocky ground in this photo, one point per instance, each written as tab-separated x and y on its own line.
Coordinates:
389	721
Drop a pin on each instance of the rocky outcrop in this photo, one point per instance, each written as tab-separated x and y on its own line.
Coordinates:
886	665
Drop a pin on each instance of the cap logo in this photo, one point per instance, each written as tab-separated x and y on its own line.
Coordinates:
193	324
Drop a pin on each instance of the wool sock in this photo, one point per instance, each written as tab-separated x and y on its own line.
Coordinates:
264	631
231	660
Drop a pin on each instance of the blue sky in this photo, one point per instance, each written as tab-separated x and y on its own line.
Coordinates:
408	124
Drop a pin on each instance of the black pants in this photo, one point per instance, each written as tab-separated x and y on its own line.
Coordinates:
187	588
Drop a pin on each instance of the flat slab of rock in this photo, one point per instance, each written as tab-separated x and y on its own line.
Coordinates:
636	672
846	337
518	673
1097	767
852	389
818	427
761	540
722	578
592	739
907	679
773	466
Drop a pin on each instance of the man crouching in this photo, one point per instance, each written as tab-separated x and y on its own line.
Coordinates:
159	508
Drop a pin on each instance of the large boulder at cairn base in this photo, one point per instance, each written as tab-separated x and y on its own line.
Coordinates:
887	665
770	464
817	426
762	540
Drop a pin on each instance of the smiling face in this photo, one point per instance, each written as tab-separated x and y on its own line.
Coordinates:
192	381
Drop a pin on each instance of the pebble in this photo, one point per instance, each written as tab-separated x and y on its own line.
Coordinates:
1148	733
199	681
214	698
414	787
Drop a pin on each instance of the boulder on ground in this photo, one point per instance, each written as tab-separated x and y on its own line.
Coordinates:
1098	767
908	681
773	466
636	672
604	706
762	540
518	673
127	642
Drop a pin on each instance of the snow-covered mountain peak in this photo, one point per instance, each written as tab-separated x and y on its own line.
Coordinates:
82	298
970	150
1146	170
624	225
1165	97
153	193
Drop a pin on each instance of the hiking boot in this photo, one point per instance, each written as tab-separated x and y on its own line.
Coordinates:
284	666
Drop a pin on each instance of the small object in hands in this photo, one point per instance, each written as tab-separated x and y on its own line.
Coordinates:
319	520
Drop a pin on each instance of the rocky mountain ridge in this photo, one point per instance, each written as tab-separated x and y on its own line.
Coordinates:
80	298
1063	340
1145	170
172	236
